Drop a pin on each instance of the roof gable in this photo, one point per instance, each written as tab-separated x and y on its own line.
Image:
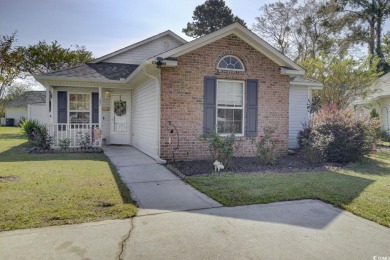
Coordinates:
381	86
28	98
241	32
138	52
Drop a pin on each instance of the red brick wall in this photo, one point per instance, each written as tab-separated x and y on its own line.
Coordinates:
182	97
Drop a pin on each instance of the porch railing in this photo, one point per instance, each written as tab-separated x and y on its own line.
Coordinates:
74	132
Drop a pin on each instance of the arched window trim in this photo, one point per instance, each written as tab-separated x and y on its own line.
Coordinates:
230	69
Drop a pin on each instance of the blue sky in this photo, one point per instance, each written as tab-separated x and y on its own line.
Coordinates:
104	26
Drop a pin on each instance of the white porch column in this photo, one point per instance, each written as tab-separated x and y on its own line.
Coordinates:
100	115
47	104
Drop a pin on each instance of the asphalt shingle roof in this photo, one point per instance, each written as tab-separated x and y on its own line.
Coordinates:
103	70
28	98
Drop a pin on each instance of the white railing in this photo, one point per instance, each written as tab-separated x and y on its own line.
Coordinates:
74	132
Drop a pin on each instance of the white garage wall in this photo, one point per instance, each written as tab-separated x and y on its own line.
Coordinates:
144	118
37	112
298	113
16	113
384	114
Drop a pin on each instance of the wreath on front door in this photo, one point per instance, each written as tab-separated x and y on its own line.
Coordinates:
120	108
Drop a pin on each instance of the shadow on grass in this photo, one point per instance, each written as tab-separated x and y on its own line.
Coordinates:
20	153
372	166
240	189
13	136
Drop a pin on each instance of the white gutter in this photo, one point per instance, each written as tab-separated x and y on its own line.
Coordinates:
286	71
158	94
313	85
50	78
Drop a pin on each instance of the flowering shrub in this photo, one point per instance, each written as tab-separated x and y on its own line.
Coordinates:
336	135
265	146
221	147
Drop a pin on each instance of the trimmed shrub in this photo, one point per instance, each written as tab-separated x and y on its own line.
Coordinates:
64	144
335	135
220	147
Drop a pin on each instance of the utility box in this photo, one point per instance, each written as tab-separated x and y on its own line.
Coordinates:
2	121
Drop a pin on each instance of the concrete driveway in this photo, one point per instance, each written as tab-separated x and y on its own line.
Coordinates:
176	221
307	229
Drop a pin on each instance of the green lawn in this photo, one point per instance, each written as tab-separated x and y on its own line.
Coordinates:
361	188
39	190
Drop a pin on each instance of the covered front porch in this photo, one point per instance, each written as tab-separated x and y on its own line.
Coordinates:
92	115
105	103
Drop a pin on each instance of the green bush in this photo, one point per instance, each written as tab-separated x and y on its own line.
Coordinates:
37	134
42	138
28	127
21	120
84	140
64	143
221	147
383	135
341	136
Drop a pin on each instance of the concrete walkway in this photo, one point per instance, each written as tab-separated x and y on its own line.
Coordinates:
193	226
155	188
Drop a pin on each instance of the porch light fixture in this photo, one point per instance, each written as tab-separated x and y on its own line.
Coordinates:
106	95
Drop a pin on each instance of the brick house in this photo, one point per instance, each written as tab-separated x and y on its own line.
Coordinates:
159	94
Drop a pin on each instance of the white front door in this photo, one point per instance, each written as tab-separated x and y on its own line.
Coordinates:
120	119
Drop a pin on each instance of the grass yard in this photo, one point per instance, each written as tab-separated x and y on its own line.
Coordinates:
39	190
361	188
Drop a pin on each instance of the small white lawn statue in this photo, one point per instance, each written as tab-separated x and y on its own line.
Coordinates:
218	166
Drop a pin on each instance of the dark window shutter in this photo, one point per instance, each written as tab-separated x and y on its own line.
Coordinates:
62	107
95	107
209	109
252	107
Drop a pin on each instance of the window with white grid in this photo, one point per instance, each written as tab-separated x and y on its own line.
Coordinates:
230	107
79	108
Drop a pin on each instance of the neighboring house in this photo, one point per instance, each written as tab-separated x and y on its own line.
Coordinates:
28	106
160	94
380	100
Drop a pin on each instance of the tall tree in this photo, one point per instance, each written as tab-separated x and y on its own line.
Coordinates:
301	30
10	62
386	47
15	90
210	17
344	78
275	24
372	14
44	57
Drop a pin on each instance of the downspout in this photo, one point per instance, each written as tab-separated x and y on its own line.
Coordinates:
158	95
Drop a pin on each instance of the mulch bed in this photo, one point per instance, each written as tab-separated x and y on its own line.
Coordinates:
288	163
69	150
